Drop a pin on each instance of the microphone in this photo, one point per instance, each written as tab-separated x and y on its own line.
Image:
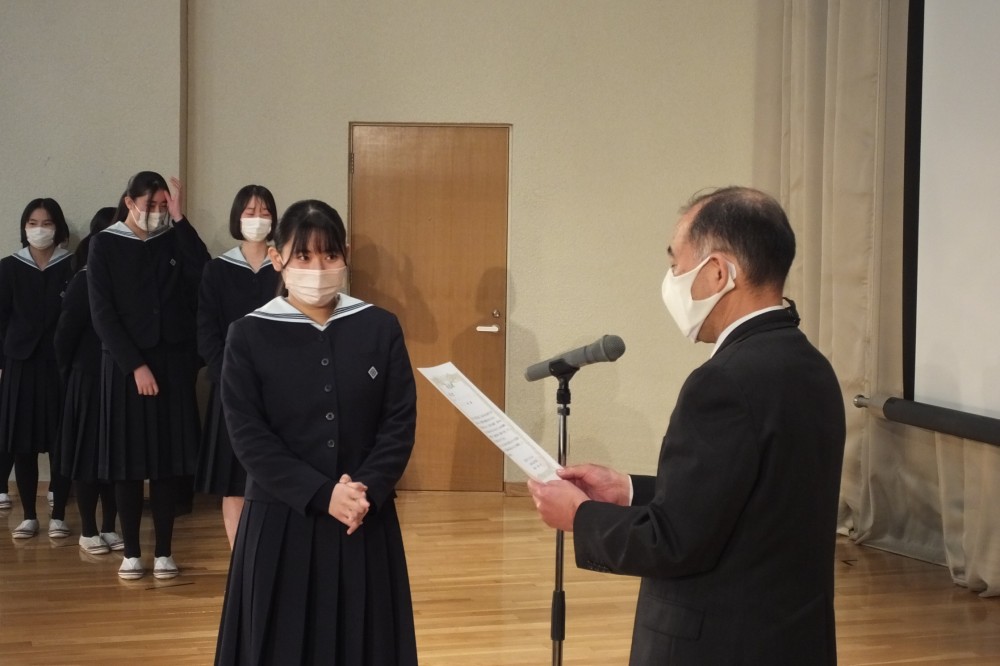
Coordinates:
608	348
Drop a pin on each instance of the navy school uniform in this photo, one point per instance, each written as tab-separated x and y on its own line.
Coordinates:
229	290
30	387
305	404
78	352
143	297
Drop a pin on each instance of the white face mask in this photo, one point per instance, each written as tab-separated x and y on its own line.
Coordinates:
314	287
40	238
688	313
148	221
255	229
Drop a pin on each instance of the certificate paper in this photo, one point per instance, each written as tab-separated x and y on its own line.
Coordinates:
490	419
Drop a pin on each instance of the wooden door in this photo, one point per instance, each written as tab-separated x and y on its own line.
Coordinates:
428	227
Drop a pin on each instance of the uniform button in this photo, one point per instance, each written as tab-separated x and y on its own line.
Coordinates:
329	416
325	361
327	388
330	443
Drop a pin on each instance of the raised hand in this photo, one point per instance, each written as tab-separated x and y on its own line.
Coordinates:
175	199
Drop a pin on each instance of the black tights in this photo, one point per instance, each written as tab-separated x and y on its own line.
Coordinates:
87	494
6	465
26	477
162	494
59	485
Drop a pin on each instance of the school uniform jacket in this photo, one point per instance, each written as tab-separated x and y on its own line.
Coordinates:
229	290
76	342
30	300
144	292
305	404
734	537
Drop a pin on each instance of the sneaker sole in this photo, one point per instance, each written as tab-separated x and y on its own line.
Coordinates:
131	575
165	574
96	551
24	535
59	534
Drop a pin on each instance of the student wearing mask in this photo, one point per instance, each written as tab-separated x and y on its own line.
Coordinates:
238	282
32	281
320	402
143	274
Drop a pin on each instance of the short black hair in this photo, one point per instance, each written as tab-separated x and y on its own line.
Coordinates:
750	225
243	197
52	207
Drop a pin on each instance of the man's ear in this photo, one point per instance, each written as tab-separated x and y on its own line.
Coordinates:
718	270
275	258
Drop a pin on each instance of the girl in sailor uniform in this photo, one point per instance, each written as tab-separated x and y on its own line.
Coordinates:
78	351
32	281
143	273
320	402
238	282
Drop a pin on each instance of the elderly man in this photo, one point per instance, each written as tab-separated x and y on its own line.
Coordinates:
734	537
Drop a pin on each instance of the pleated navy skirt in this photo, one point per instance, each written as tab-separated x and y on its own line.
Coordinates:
79	433
300	591
30	406
149	437
219	470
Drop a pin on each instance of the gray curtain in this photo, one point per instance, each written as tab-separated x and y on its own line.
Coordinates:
829	123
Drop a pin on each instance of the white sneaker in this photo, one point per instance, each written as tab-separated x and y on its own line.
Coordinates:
114	541
5	501
26	530
94	545
58	529
131	569
51	499
164	568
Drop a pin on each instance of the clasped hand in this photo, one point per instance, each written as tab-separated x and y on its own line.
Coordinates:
349	503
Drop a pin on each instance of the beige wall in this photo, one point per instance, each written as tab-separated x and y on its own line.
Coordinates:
89	94
619	110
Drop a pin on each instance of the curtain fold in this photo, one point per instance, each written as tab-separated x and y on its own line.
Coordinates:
829	129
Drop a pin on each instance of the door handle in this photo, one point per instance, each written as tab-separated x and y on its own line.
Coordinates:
488	329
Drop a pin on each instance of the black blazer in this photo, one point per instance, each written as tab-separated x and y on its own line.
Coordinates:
144	293
229	290
76	342
734	537
304	406
30	300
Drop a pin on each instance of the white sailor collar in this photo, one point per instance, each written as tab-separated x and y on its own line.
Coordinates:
235	257
60	254
123	230
279	309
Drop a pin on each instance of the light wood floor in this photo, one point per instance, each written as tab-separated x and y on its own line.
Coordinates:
481	568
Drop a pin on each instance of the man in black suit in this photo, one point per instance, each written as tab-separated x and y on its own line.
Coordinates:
734	537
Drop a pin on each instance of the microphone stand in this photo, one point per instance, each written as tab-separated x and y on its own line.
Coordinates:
563	372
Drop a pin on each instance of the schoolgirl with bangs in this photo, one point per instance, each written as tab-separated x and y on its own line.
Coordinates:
32	281
319	398
238	282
